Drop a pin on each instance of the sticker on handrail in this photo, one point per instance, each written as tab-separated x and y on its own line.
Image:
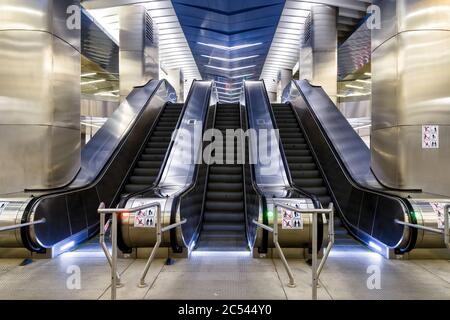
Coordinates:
3	205
291	219
145	218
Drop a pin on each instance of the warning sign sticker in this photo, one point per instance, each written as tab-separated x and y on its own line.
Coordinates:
438	208
430	137
291	219
3	205
144	218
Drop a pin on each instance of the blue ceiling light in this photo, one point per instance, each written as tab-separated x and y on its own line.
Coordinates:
238	47
230	69
235	37
228	83
230	59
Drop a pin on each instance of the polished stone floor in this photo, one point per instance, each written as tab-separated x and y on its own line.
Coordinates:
352	272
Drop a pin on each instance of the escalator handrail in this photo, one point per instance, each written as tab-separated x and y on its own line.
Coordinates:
406	206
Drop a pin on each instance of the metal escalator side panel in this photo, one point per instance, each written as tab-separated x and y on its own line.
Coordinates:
191	202
368	214
72	213
180	166
272	174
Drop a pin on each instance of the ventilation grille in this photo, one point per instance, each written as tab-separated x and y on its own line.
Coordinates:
149	31
308	30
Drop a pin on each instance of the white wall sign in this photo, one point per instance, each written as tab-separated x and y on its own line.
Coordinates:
291	219
438	208
145	218
430	137
3	206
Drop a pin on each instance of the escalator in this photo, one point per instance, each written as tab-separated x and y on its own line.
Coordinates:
70	212
148	166
373	213
223	227
304	170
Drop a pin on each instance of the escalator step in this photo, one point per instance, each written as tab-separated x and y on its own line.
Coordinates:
151	157
222	216
220	227
224	206
306	183
218	186
231	178
224	196
145	172
145	180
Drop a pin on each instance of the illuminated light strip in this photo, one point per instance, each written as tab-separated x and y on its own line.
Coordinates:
230	83
229	60
368	74
231	89
92	82
363	81
89	74
242	46
230	69
242	76
354	87
230	94
375	246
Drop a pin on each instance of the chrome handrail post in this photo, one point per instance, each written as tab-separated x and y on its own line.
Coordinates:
447	226
142	283
314	257
114	256
291	283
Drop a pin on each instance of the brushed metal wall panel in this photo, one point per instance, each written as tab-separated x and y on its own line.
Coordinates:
399	161
45	15
139	51
389	25
410	88
384	85
423	95
37	156
39	95
423	15
25	15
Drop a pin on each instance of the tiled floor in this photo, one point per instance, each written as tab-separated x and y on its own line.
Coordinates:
226	276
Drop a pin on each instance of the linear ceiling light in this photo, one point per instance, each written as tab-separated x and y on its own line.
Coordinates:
229	60
363	81
354	87
228	83
230	94
242	76
92	82
89	74
242	46
230	69
227	89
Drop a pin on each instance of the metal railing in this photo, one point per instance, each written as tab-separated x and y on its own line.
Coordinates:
112	258
445	232
316	270
21	225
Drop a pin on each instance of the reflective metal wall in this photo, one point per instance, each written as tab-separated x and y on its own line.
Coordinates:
318	52
411	88
39	93
139	51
